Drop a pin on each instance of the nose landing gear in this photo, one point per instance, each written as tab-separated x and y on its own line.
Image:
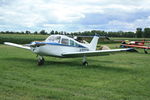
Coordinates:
41	60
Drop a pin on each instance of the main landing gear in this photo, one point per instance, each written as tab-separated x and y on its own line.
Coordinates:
84	62
145	51
40	60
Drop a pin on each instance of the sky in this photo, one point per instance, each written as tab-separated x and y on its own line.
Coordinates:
74	15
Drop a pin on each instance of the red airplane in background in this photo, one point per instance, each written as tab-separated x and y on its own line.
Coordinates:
136	44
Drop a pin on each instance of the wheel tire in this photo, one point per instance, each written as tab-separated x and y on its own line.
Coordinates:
145	51
85	63
41	62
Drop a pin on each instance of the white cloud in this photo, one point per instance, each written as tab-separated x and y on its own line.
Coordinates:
130	26
37	14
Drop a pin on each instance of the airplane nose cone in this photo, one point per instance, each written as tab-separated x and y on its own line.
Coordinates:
35	50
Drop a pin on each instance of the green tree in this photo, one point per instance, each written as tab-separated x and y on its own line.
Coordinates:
139	33
43	32
146	32
56	32
52	32
27	32
35	32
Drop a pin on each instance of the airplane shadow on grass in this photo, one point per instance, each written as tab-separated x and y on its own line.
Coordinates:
71	63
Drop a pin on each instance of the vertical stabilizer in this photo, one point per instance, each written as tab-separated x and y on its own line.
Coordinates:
93	43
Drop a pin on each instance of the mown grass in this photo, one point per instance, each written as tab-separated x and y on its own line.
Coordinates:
121	76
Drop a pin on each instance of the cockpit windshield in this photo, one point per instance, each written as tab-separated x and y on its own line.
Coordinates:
55	39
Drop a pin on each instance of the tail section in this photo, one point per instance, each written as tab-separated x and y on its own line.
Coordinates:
93	43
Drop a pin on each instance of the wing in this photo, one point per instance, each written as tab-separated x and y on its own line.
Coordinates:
136	46
95	53
17	45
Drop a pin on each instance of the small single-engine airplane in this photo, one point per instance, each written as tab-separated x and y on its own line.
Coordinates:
64	46
135	44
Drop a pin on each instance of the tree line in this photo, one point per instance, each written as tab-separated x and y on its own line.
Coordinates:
145	33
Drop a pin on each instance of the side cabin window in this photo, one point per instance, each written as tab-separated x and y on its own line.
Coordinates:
72	43
65	41
76	44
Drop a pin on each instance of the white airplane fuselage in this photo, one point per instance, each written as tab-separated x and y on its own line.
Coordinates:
51	48
56	50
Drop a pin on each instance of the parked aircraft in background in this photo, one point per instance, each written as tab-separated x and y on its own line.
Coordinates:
136	44
64	46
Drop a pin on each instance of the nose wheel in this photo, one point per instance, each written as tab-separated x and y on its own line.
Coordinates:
40	60
85	63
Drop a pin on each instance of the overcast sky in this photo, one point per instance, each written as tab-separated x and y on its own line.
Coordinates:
74	15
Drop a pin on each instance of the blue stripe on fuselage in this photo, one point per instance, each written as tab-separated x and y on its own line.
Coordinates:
79	46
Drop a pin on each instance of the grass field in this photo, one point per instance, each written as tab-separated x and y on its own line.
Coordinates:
122	76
